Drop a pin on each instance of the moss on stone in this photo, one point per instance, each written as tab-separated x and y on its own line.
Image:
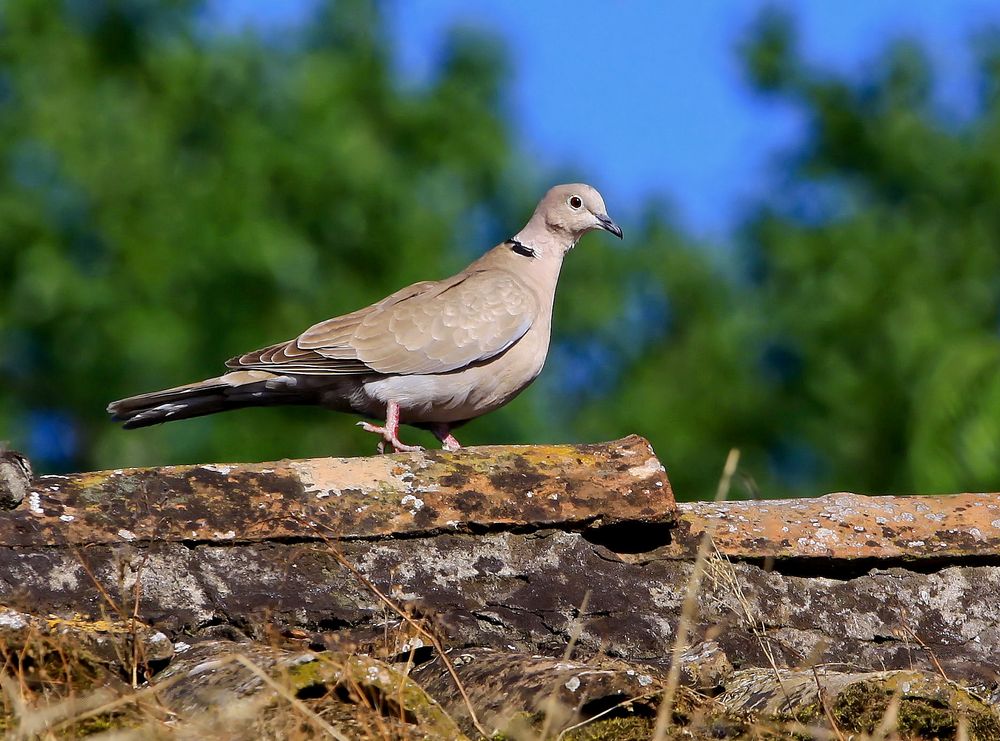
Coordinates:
102	724
632	728
924	712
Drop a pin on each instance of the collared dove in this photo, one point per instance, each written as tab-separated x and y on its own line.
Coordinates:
434	355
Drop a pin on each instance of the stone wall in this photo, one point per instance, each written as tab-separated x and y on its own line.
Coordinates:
507	553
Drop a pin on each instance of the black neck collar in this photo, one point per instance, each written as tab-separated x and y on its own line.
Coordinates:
520	247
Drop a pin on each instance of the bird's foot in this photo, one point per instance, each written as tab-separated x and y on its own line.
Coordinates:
448	441
389	436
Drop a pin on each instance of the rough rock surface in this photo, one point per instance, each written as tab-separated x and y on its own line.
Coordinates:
514	552
849	527
223	673
503	684
924	704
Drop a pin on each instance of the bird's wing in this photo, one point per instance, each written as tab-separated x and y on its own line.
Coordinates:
291	357
429	327
465	320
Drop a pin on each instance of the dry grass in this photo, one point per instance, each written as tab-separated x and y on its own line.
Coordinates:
53	686
53	689
34	709
665	715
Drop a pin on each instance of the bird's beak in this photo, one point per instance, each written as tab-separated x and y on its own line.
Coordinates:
608	225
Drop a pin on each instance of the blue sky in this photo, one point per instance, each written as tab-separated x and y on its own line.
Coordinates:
646	97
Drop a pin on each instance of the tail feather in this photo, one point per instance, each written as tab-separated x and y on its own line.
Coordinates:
231	391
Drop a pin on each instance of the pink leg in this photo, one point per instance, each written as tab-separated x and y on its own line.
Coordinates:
390	432
443	433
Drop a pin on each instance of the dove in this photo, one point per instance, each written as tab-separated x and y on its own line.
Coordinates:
433	355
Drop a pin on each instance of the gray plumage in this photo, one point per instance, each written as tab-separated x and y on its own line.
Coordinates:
434	354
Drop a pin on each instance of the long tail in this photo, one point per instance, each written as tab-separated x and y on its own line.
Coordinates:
231	391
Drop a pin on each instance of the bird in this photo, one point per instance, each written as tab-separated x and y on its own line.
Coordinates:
15	477
433	355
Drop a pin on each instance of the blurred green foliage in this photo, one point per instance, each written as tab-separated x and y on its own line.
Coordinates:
170	197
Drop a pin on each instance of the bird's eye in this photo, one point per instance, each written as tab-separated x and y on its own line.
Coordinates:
575	202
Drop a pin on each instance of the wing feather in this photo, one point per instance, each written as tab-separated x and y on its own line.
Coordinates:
460	323
429	327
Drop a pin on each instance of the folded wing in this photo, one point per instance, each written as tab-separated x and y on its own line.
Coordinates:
429	327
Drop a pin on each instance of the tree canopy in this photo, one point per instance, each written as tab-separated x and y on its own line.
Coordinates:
170	197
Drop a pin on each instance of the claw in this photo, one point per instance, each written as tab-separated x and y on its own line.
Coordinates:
390	431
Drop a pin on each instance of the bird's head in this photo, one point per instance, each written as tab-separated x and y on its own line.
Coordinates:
573	210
